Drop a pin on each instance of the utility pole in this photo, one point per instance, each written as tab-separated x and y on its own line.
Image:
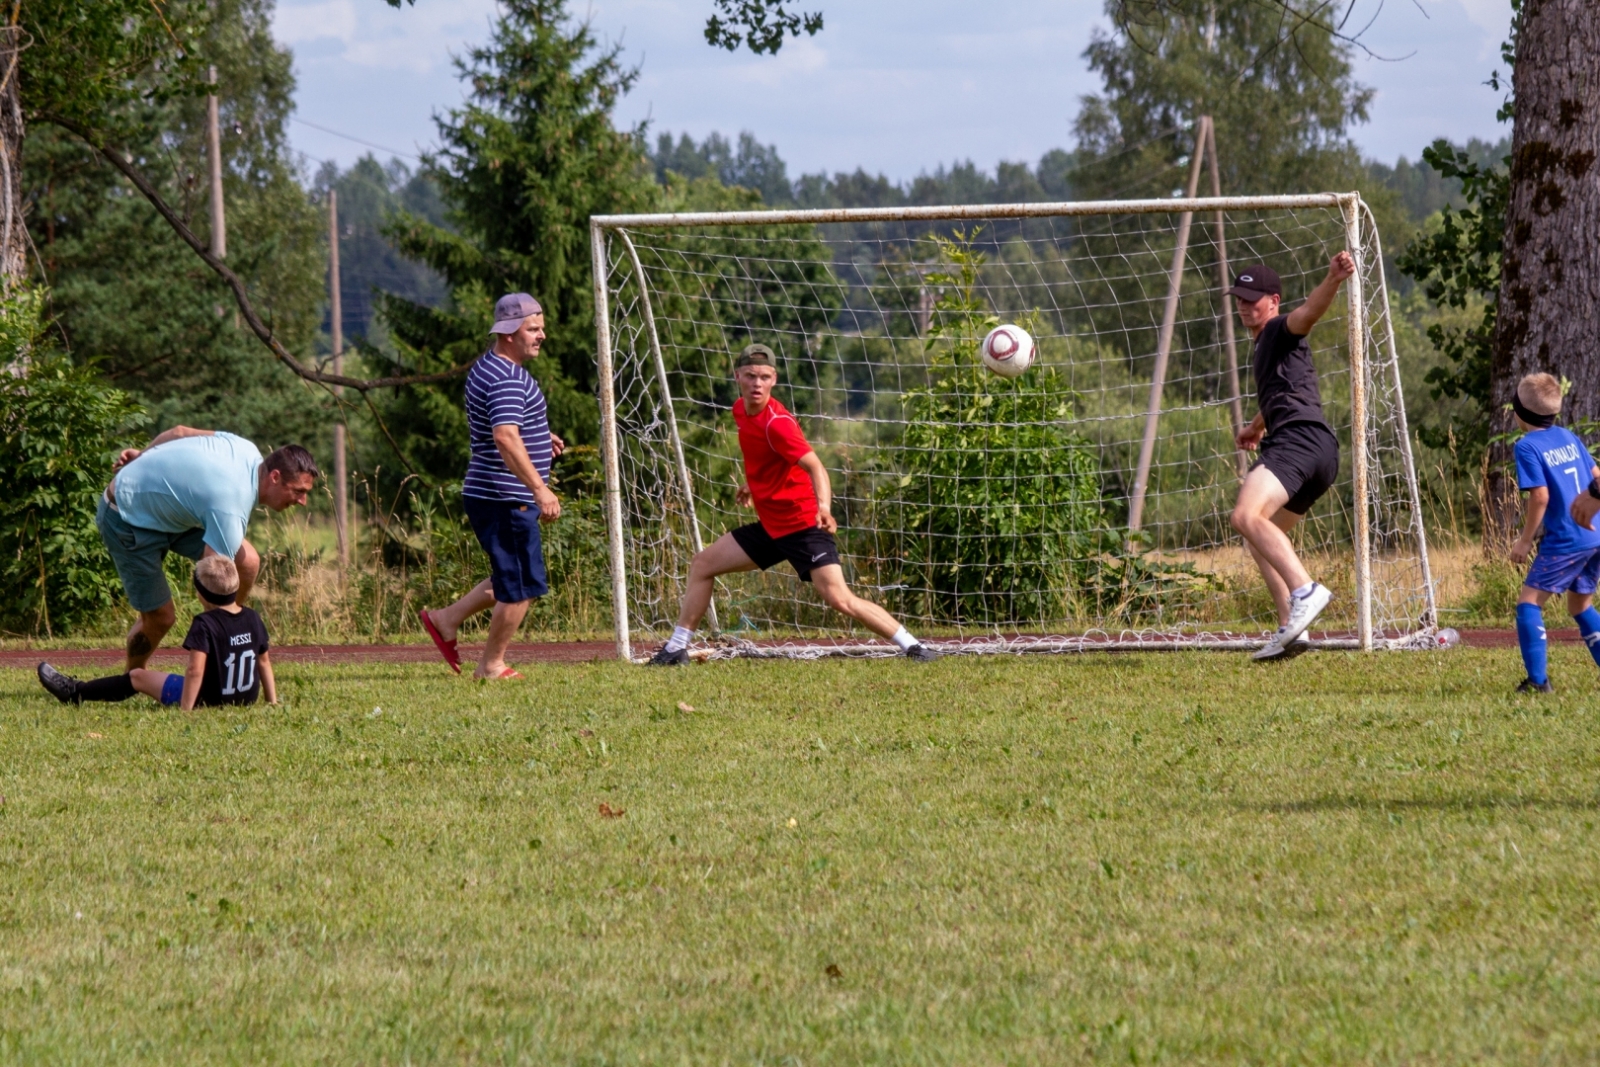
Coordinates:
341	499
1169	321
219	225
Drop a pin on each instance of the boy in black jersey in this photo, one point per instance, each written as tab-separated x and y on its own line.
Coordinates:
228	661
1299	454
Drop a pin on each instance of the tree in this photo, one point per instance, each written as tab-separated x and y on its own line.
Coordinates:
1549	298
524	163
129	297
1283	99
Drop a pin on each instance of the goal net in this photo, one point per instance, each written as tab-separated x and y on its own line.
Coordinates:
1084	504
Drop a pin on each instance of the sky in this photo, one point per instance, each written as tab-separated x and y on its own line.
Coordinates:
894	86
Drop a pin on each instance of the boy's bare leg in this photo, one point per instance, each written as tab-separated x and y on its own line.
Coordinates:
722	556
479	598
502	628
835	592
1284	520
1255	516
148	682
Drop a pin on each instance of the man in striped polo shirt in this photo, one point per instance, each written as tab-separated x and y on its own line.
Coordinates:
505	494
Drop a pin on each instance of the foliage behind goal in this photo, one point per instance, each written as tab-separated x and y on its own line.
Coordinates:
1077	499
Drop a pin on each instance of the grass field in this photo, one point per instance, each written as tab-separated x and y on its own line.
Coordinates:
1171	858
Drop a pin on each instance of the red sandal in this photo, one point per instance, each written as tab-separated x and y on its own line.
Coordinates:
447	649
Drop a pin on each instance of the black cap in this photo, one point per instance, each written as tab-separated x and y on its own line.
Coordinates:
1256	281
755	356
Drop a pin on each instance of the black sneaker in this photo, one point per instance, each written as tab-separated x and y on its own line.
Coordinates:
1530	686
60	686
921	653
663	658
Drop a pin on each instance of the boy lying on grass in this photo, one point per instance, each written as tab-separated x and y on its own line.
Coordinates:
228	662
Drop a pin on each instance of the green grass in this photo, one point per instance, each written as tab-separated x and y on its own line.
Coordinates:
1180	858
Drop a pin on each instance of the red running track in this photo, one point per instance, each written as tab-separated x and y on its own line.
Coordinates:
554	652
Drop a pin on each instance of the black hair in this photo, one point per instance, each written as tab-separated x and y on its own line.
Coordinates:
291	460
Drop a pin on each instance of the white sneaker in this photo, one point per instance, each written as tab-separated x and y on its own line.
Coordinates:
1277	649
1303	610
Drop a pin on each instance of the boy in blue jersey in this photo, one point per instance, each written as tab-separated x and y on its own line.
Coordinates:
1554	469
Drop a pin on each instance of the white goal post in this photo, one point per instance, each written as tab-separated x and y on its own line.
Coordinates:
1081	506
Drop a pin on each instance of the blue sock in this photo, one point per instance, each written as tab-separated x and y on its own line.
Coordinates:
1588	622
1530	637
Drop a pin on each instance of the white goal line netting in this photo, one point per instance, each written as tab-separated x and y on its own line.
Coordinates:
991	514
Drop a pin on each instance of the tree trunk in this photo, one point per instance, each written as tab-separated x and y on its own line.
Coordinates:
1549	303
13	234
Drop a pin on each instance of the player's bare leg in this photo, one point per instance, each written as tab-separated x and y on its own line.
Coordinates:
1284	520
1261	498
1263	522
722	556
835	592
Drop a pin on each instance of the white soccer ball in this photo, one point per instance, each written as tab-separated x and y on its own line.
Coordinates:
1008	351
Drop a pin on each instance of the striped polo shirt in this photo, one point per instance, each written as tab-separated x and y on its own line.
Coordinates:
502	393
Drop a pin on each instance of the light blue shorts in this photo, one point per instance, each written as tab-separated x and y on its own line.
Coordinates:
1568	572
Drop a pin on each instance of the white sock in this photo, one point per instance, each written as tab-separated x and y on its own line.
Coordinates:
1304	591
902	637
681	636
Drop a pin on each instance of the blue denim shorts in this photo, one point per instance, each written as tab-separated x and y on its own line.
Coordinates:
1569	572
509	532
138	554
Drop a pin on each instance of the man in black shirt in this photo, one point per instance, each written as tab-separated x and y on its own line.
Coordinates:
1299	455
228	662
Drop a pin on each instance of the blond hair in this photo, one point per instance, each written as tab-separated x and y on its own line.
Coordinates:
1540	393
218	574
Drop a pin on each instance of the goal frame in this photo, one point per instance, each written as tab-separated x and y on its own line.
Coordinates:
1350	206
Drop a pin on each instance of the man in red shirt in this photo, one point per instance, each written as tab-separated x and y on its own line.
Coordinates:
789	487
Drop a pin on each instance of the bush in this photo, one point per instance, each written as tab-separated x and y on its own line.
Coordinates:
60	428
997	501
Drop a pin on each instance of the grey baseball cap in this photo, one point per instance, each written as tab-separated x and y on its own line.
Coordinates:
511	310
756	356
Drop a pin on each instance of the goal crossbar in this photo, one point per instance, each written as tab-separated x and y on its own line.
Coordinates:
1351	212
969	212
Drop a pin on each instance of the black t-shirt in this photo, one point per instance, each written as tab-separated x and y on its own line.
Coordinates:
1286	379
233	644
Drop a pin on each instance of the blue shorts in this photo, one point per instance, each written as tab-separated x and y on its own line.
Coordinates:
1569	572
172	689
509	532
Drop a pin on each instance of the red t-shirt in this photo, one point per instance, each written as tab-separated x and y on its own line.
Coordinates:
772	444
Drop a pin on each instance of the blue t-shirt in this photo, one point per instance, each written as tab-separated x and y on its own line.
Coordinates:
1557	460
193	483
502	393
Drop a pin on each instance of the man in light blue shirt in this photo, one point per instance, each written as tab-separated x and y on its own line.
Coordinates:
190	492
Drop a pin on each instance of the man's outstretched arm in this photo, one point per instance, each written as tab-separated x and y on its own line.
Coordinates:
1302	318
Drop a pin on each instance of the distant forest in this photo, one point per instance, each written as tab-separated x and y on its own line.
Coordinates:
369	191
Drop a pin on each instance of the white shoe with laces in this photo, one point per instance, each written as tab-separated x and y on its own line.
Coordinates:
1303	610
1277	649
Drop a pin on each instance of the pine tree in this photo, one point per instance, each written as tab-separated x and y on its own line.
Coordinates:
524	163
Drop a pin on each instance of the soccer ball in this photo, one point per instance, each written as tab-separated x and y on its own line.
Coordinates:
1008	351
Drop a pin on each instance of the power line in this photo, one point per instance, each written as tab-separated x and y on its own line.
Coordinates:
357	140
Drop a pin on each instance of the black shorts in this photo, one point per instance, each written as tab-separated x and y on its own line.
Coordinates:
804	549
1305	458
